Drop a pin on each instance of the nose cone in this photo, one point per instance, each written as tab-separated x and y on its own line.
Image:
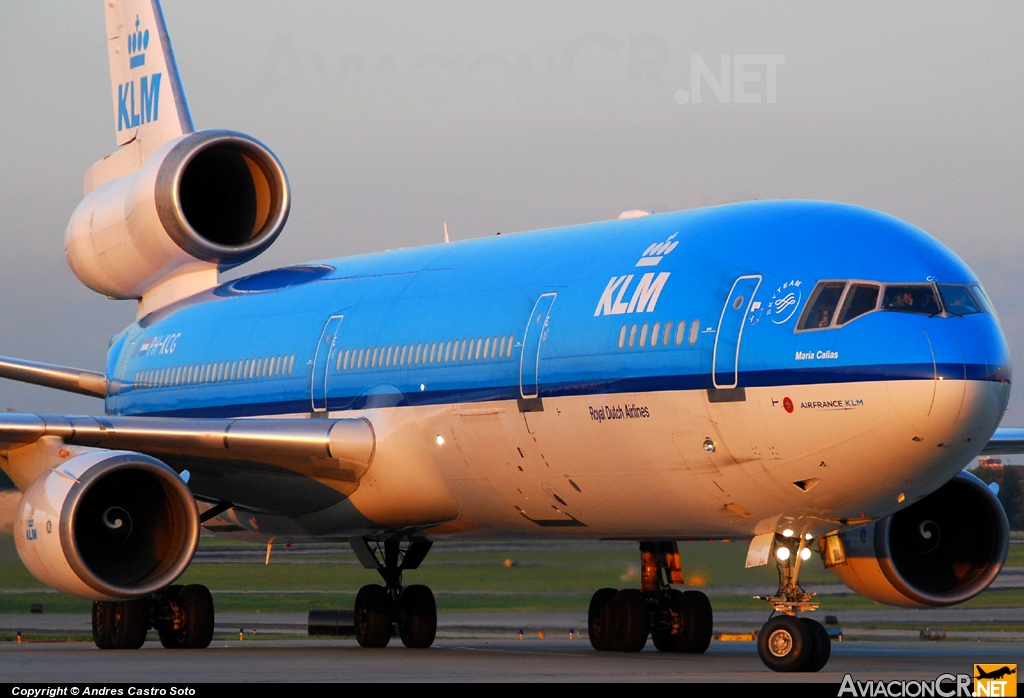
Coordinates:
962	385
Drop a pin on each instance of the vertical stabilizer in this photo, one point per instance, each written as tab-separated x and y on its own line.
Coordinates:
149	102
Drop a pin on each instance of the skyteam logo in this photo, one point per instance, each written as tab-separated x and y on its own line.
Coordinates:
138	101
785	301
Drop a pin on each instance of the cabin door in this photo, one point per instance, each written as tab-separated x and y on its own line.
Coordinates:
738	305
533	339
325	357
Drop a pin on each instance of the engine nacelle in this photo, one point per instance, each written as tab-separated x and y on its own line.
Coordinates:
939	551
107	525
204	201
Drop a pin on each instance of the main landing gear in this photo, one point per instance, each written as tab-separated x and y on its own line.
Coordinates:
677	621
381	610
183	615
786	642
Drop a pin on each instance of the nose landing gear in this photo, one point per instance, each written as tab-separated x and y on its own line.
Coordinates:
380	610
786	642
678	621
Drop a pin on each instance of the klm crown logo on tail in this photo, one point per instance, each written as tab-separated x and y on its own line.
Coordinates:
138	100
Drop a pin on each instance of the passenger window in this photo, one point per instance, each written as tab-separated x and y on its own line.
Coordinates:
501	348
462	351
655	334
622	337
405	350
643	335
958	300
433	351
911	298
821	308
694	331
668	333
470	354
291	364
680	332
860	299
511	344
447	352
632	336
479	342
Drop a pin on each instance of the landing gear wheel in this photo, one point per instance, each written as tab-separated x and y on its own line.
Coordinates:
671	618
373	616
101	613
698	623
417	616
127	624
197	619
630	621
822	645
785	644
599	619
168	636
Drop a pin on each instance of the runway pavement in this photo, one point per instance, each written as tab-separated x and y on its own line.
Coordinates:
460	660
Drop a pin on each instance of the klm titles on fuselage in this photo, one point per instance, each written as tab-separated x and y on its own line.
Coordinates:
647	290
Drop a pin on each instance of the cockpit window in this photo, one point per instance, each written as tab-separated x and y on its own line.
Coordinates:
860	299
911	298
822	306
983	300
959	300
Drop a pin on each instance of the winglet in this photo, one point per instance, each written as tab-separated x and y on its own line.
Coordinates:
149	102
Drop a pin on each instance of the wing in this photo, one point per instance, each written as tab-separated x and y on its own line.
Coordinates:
280	466
1006	441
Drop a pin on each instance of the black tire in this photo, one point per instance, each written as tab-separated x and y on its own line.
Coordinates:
373	616
169	637
197	608
599	619
669	608
418	617
698	623
822	645
630	621
101	613
785	644
128	624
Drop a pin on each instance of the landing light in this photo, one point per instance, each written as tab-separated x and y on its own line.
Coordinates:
805	554
788	533
440	440
901	498
709	445
808	536
782	554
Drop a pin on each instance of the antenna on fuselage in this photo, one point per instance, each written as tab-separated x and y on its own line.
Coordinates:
446	233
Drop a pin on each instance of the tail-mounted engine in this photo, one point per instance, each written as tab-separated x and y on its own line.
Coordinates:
204	201
108	525
942	550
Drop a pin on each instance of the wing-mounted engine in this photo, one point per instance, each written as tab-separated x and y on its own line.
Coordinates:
202	202
107	525
940	551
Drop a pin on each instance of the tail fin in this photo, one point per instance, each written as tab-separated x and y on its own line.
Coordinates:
149	102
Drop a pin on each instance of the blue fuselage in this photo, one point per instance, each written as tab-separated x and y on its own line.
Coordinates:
568	311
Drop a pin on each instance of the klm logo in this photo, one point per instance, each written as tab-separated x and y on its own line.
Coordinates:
645	294
138	101
644	298
138	106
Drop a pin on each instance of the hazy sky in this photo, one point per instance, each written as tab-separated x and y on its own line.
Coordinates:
393	117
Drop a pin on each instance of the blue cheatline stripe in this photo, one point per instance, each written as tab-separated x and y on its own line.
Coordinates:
390	395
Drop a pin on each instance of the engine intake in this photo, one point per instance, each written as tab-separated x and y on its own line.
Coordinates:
222	197
939	551
108	525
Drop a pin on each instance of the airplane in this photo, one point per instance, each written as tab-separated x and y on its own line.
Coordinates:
810	375
995	673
